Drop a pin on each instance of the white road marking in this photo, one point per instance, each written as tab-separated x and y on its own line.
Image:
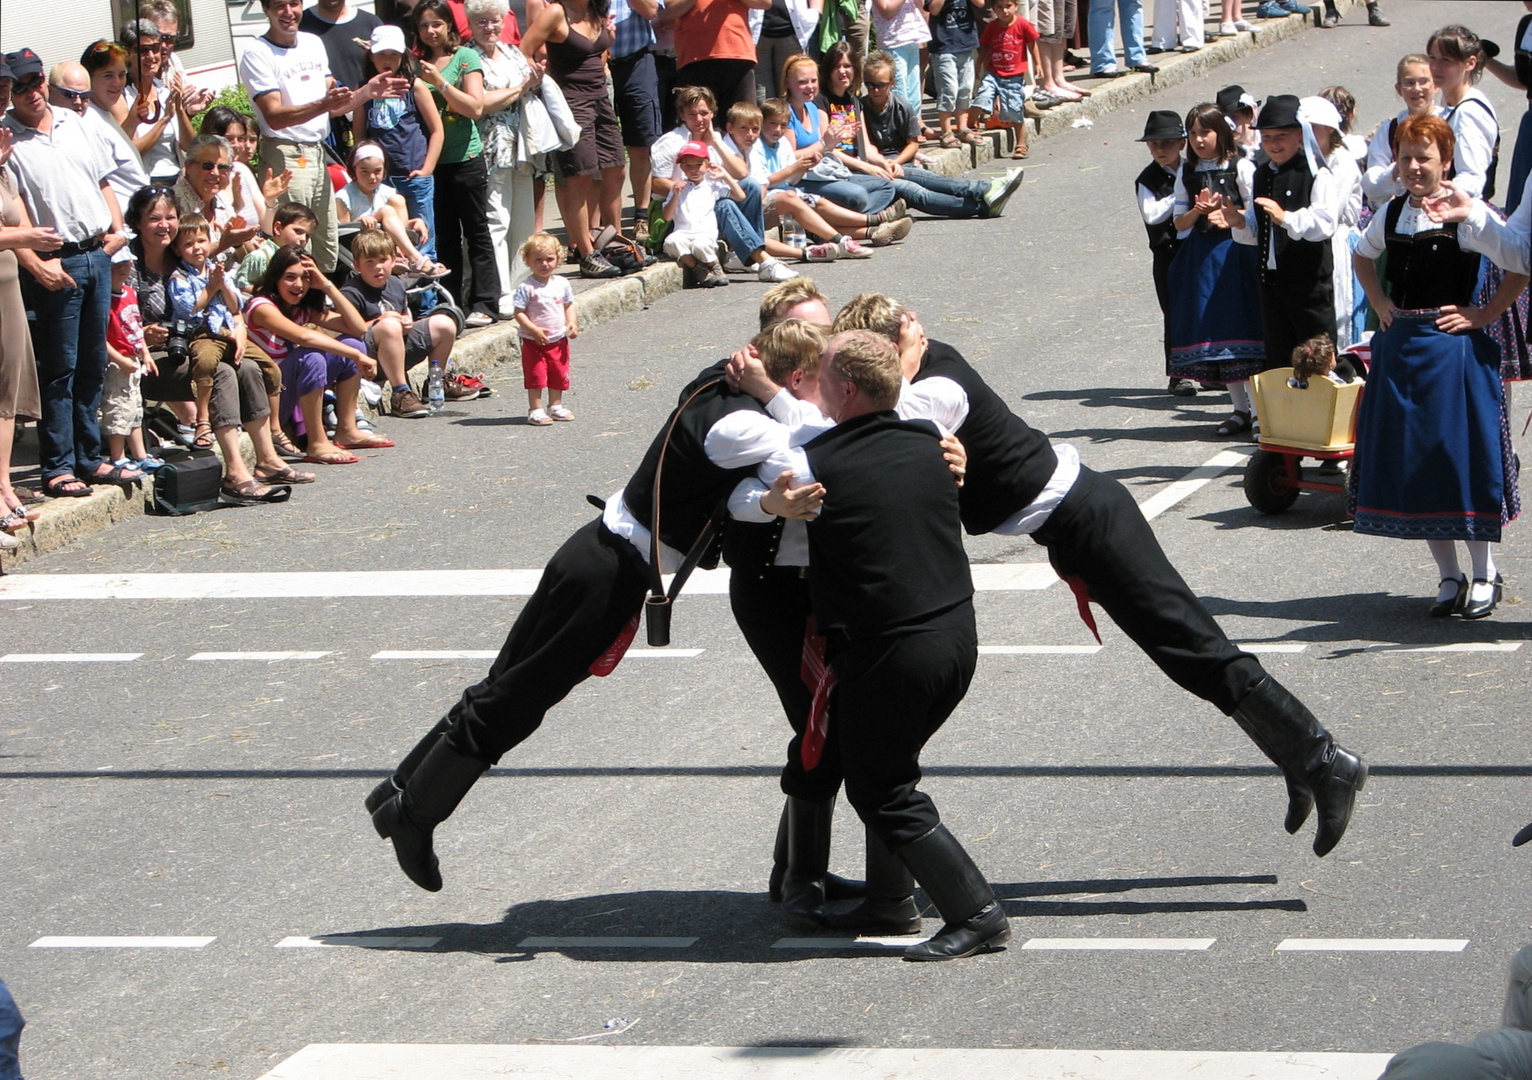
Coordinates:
842	943
122	942
607	942
1039	650
1457	646
1372	945
1272	646
345	941
383	1061
1122	943
269	656
1183	488
69	657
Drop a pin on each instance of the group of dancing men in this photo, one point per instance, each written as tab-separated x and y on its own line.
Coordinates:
840	460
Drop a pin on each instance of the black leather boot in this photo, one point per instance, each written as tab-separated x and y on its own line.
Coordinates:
429	797
1375	15
1314	763
808	856
889	907
395	783
972	919
836	887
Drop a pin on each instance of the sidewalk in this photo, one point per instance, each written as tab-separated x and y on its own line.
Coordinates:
64	521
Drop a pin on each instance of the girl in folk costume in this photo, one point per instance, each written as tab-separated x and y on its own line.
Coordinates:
1433	457
1416	87
1215	308
1327	125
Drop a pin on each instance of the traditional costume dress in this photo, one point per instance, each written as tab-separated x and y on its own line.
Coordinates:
1433	458
1215	306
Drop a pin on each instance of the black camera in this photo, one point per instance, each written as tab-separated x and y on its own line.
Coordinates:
177	340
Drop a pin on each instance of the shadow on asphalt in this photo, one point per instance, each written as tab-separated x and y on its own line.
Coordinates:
1135	397
1384	619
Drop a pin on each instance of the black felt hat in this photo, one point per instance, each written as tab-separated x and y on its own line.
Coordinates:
1280	111
1231	99
1163	124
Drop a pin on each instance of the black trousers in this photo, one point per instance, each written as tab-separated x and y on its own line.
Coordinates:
1291	314
592	587
1099	534
462	219
1162	261
730	80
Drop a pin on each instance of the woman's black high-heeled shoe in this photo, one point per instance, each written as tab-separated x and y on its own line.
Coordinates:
1442	608
1473	609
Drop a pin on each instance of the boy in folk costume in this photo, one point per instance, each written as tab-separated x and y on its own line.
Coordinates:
1155	188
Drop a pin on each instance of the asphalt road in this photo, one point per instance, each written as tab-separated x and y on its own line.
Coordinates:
221	798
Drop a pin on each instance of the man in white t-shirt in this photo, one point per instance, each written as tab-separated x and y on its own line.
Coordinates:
287	75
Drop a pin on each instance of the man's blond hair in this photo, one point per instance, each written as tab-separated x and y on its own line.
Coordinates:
871	311
789	293
869	362
790	345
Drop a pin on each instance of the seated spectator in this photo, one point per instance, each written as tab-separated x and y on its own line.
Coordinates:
205	306
290	297
239	396
153	116
252	201
394	337
1316	359
693	242
893	135
203	189
291	223
376	205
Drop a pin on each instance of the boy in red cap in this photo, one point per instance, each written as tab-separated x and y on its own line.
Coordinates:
694	240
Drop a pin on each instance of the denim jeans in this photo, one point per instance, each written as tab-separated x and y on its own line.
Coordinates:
954	80
942	196
11	1024
1103	15
420	199
861	194
742	224
907	73
69	339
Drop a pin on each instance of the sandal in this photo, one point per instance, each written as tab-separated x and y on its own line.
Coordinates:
115	474
253	491
332	457
286	449
202	436
367	442
429	269
1237	424
972	138
1019	154
285	475
14	521
66	487
26	494
949	141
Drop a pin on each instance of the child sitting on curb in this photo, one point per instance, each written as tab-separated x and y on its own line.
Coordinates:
694	240
205	303
546	322
742	136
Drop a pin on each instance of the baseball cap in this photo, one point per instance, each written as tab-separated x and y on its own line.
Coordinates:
695	148
386	38
24	63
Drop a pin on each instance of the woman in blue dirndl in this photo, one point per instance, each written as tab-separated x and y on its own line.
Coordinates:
1433	457
1215	305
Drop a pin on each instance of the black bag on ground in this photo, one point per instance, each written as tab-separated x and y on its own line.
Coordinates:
185	487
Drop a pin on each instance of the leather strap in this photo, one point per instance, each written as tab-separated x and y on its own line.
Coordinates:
656	579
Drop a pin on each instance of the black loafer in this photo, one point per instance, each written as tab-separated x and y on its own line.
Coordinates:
1473	609
1145	69
1442	608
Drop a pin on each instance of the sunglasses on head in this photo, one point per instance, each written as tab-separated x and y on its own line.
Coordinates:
209	166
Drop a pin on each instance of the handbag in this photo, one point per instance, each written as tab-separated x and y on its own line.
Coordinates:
186	487
559	112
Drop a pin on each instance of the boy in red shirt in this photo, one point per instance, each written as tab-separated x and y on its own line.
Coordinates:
1003	70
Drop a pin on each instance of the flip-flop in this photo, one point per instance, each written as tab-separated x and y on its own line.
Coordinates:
1019	154
270	493
371	442
284	475
333	457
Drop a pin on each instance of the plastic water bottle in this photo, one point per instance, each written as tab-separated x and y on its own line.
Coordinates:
792	232
436	388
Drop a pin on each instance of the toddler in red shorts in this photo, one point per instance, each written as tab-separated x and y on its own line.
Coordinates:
545	317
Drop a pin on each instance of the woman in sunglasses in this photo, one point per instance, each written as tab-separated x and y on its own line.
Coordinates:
154	117
204	189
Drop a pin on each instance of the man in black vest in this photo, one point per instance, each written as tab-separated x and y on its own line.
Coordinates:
583	613
892	596
1155	190
1099	542
1294	217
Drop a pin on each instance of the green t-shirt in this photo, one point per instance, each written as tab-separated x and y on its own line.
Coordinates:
460	141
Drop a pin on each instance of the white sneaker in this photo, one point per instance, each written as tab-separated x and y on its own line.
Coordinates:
852	249
1227	29
821	253
1241	24
775	271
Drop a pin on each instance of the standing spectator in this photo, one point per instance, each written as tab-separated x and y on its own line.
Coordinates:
106	65
546	322
787	28
11	1024
154	116
456	77
61	173
69	87
954	40
340	26
1003	70
902	30
1056	22
163	14
1179	25
636	87
576	34
287	75
714	47
1233	21
507	78
1103	19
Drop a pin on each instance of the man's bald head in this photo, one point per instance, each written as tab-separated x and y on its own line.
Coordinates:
69	74
796	298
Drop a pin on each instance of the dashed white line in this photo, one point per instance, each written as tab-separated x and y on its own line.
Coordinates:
1183	488
267	656
1372	945
607	943
359	941
1039	650
69	657
1272	646
1107	944
1455	647
435	654
839	944
122	942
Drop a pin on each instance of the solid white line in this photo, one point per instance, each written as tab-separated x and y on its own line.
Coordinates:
1460	646
607	942
257	655
1122	943
1183	488
841	943
1372	945
489	1062
1271	646
343	941
1039	650
69	657
121	942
